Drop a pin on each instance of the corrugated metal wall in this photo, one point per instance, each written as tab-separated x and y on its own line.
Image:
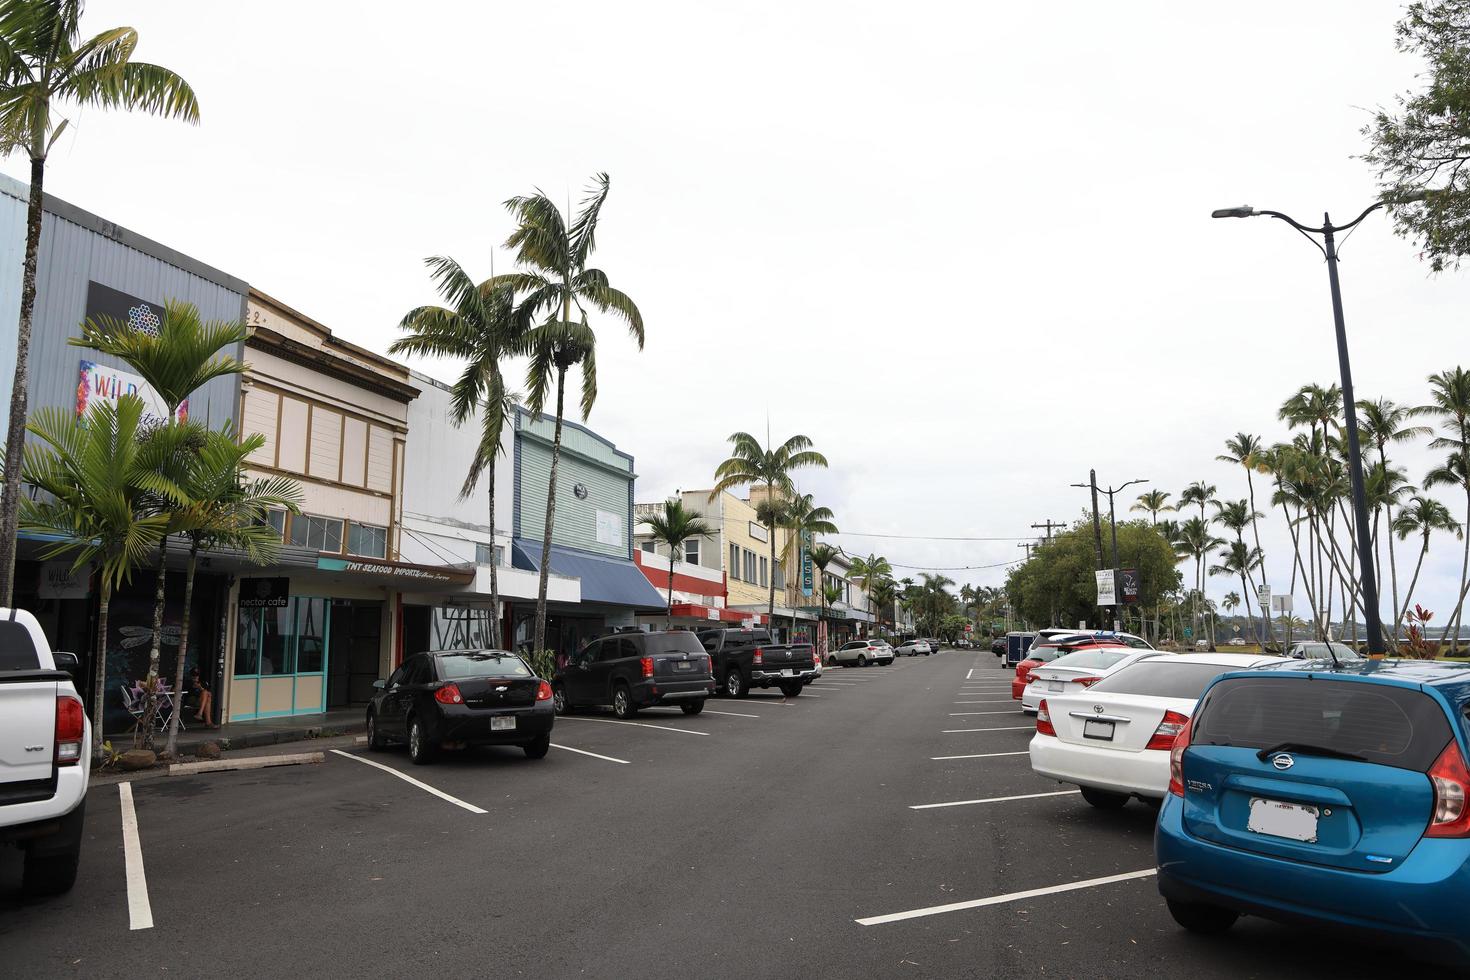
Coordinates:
71	255
576	520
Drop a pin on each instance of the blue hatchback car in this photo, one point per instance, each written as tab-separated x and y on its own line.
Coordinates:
1327	794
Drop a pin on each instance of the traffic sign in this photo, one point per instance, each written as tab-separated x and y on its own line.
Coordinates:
1188	632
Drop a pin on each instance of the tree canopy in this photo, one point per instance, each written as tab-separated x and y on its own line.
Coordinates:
1058	585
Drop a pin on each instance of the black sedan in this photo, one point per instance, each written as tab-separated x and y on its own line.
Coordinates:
459	698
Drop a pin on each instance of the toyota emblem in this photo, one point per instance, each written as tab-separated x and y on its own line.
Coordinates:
1283	762
1097	709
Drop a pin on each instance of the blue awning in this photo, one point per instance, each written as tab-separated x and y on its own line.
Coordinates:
611	581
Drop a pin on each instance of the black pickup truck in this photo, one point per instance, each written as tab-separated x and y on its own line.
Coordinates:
750	658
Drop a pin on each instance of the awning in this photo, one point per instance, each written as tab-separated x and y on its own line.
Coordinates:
695	611
610	581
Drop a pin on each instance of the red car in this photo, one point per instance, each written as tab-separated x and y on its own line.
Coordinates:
1043	653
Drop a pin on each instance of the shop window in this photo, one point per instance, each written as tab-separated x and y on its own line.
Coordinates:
321	533
276	518
311	635
691	551
367	540
288	640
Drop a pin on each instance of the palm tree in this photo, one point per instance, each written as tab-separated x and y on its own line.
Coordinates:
868	572
804	521
884	593
223	510
1231	601
1195	541
477	326
1449	393
1239	559
95	474
553	251
1382	422
44	64
751	463
1153	502
177	360
822	555
1245	450
672	528
1422	516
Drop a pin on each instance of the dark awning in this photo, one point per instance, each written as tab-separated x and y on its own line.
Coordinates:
610	581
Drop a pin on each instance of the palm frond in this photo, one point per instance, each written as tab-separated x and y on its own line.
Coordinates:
584	228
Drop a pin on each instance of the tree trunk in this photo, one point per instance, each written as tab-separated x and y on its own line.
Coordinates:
671	586
1250	484
494	567
19	394
561	379
1464	576
99	693
161	580
173	722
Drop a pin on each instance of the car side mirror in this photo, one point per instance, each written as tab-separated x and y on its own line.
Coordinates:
66	661
379	685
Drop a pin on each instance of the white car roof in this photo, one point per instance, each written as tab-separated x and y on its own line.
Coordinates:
1239	661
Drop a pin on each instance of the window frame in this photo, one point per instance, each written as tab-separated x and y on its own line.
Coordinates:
691	543
356	526
308	518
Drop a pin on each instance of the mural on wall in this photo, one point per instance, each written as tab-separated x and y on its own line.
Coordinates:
97	381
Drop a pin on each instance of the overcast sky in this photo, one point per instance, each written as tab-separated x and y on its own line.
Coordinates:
964	247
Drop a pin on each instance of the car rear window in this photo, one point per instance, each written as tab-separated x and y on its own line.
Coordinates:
1043	654
672	643
1092	659
1387	725
1163	677
489	663
17	650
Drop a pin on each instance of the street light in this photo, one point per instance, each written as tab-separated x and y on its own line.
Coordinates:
1113	523
1328	247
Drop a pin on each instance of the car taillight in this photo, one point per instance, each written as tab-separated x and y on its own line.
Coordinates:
449	694
1176	759
647	664
709	664
1086	681
759	656
543	691
1451	782
1168	730
1043	720
70	729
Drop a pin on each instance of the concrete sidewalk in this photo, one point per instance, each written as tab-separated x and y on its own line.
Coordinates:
273	731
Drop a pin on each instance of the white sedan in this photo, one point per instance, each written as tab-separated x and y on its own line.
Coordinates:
1113	739
1076	672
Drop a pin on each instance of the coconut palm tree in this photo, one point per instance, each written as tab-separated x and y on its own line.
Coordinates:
803	520
1154	502
1449	402
822	555
1196	542
1239	559
752	464
223	509
884	593
1423	516
1231	601
476	326
672	528
868	572
1381	423
46	65
96	476
553	251
1245	450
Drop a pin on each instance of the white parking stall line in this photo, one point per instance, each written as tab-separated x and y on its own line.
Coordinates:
633	724
990	701
140	910
982	755
956	714
878	920
731	714
996	799
969	672
604	758
411	781
966	731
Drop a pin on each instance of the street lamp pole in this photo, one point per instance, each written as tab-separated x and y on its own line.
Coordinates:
1091	484
1368	582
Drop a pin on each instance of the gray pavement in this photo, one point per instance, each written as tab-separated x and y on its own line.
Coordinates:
721	845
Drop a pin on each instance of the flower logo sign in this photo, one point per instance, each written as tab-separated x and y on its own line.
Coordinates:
143	318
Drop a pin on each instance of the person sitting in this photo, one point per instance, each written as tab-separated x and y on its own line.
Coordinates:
200	693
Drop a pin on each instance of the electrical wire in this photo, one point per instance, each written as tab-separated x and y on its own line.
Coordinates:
929	537
955	568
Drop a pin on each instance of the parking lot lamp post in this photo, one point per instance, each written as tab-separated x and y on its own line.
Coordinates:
1367	581
1091	484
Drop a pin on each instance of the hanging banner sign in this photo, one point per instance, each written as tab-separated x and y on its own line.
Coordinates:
1107	588
1131	586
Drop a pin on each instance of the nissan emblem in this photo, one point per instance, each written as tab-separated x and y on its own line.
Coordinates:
1283	762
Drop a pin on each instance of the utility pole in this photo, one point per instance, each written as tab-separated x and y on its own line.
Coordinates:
1097	533
1096	526
1028	546
1048	526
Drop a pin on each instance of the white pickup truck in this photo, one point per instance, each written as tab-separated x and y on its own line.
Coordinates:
44	741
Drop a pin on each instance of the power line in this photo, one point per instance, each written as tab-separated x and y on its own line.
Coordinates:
930	537
954	568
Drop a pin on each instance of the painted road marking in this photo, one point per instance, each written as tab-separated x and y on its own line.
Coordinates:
982	755
140	912
604	758
965	731
990	701
732	714
969	672
878	920
956	714
633	724
410	780
996	799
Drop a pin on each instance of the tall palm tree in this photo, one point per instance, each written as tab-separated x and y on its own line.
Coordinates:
868	572
750	463
182	356
672	528
1239	559
477	327
1423	516
553	251
822	555
1380	423
1153	503
884	593
1196	542
804	520
1449	402
1198	494
224	510
95	474
1245	450
45	65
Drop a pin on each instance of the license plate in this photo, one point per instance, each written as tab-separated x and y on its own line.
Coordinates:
1054	687
1292	821
1100	730
684	665
503	723
788	672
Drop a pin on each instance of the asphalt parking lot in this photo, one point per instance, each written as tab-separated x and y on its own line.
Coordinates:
885	823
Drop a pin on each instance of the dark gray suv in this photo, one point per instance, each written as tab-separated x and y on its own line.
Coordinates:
636	670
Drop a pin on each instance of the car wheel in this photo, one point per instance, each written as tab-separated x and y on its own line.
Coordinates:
622	702
538	748
420	749
693	707
559	700
1102	799
862	660
832	661
735	684
791	690
374	740
1207	920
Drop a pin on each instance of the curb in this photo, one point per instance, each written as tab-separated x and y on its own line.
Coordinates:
249	762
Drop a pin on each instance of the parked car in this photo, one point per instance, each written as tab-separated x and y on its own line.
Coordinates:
45	736
636	670
1235	641
1112	740
934	643
460	699
742	659
998	646
860	653
1078	671
914	648
1315	650
1045	652
1322	793
1127	639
